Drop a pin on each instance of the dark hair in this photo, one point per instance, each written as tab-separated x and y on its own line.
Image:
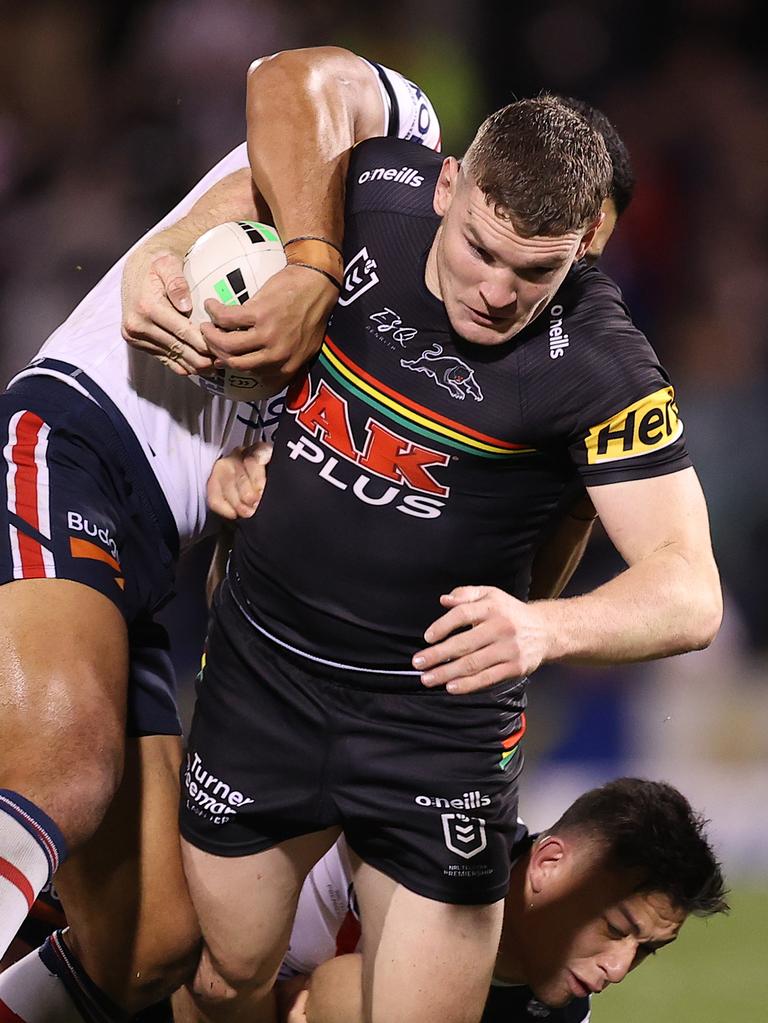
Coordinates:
623	182
650	826
541	165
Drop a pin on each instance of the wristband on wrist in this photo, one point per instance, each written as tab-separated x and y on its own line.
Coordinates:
313	238
316	254
318	269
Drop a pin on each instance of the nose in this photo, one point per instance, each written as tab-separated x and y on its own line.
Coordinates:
617	962
498	293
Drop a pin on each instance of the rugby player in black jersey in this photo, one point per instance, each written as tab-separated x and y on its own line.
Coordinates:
590	899
473	372
152	318
238	480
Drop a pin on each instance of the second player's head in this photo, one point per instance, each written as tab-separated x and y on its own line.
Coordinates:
522	206
622	180
608	885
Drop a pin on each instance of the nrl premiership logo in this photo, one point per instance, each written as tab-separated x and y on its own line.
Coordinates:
359	277
447	371
464	835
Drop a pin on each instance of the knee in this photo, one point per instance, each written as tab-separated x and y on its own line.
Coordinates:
74	790
86	786
228	978
89	785
162	970
163	959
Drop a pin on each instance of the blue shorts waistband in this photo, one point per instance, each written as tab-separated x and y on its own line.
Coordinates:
136	460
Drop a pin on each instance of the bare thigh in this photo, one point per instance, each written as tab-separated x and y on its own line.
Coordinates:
423	961
63	679
246	904
131	919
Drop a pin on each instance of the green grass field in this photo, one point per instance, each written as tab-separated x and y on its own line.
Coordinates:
716	972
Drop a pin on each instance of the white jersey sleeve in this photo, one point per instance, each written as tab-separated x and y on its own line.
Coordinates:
409	114
182	428
326	921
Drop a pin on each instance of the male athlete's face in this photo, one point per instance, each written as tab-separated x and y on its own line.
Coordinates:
492	280
587	927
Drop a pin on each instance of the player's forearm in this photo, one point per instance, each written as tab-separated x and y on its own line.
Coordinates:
232	198
305	110
668	603
155	295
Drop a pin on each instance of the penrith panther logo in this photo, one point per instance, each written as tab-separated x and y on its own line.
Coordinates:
447	371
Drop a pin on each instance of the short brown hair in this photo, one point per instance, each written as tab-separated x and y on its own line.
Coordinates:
541	166
623	184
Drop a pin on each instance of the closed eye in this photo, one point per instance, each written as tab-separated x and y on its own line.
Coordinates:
480	252
648	950
537	272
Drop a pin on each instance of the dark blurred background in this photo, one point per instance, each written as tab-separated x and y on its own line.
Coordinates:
110	112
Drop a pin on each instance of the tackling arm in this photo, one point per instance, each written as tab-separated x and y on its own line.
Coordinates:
305	111
155	295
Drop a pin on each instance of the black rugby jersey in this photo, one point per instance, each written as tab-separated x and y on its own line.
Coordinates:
520	1005
409	461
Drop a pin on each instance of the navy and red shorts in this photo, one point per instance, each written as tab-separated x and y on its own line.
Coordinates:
79	501
422	782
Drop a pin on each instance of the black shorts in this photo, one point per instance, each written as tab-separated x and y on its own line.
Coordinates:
79	501
423	783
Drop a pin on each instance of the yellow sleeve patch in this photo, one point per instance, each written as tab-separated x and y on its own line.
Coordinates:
648	425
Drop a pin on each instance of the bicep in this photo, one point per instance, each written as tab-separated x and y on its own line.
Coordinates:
643	516
349	80
352	80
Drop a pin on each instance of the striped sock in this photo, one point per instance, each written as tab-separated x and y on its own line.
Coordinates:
31	848
31	993
50	986
93	1005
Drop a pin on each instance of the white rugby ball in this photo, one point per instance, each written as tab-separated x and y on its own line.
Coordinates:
230	263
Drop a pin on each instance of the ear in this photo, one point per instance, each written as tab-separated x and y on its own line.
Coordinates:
446	185
547	860
605	230
589	235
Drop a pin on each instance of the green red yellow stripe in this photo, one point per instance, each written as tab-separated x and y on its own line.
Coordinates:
407	412
510	744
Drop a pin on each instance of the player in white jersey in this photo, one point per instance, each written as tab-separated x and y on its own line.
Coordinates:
589	900
183	431
107	455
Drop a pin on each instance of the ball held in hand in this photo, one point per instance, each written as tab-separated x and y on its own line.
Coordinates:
230	263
